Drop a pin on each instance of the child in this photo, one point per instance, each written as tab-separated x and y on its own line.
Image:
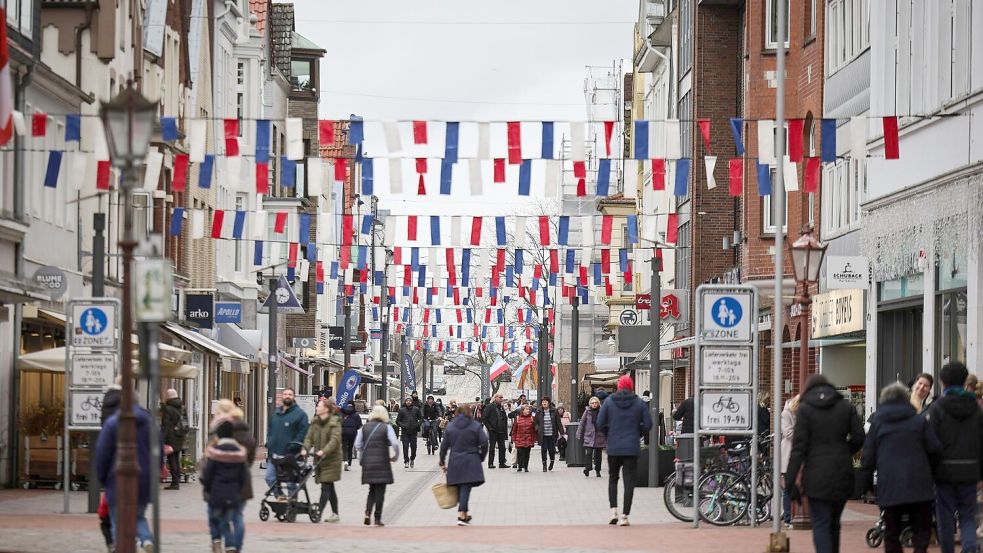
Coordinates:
224	477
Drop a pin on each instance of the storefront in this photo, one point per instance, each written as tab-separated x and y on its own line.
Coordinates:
837	328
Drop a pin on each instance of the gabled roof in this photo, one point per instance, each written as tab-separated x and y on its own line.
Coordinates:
299	42
258	7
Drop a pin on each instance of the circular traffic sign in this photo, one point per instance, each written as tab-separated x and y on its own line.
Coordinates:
727	312
93	321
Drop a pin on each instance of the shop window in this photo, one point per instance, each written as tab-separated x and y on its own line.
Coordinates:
302	74
950	327
912	286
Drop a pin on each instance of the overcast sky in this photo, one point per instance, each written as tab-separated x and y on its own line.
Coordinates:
463	59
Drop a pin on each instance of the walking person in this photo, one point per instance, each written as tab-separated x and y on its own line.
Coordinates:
224	477
899	446
349	429
467	445
561	441
378	448
921	389
324	440
523	436
409	420
624	418
497	422
431	412
593	438
547	431
828	432
788	427
228	411
174	431
288	425
955	418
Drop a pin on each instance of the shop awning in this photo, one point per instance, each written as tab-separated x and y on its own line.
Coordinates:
201	342
245	342
368	378
288	363
603	379
849	341
15	289
53	360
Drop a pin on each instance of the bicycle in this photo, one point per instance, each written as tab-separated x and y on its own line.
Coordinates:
92	403
730	405
433	441
725	496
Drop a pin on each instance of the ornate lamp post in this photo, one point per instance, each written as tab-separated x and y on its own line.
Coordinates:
129	122
807	257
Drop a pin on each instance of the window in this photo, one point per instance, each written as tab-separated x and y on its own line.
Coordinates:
683	262
811	21
771	16
844	185
20	16
142	204
302	74
241	96
768	213
847	32
685	36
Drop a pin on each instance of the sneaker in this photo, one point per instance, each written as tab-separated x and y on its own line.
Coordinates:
598	474
623	521
406	465
348	467
587	473
491	466
367	521
148	547
333	517
217	546
378	522
463	522
551	464
614	517
411	464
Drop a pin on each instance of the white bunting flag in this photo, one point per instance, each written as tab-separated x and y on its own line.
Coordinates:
588	226
631	179
315	177
455	231
197	132
98	133
233	172
650	228
858	137
305	268
552	178
295	138
197	224
293	227
391	234
484	141
396	175
766	142
274	249
673	147
520	232
80	169
474	170
393	143
155	160
577	152
791	175
20	127
257	225
711	164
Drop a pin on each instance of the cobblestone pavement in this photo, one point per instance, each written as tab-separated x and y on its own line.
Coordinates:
548	512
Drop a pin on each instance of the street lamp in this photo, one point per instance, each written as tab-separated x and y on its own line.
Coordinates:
807	257
129	122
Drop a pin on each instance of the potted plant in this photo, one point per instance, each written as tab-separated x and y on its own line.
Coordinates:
43	420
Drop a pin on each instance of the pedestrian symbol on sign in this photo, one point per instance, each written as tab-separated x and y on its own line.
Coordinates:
727	313
93	321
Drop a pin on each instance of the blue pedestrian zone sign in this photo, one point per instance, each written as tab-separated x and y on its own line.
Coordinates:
93	326
726	316
727	312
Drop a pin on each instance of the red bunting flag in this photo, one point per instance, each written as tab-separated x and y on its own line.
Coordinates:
537	272
499	262
606	261
451	270
583	275
419	132
581	188
658	174
736	169
607	221
580	169
397	255
544	230
421	165
891	146
608	289
280	222
340	169
39	124
811	183
608	132
292	255
475	231
705	131
407	275
325	132
554	261
102	175
217	221
672	229
262	178
499	164
347	230
411	228
421	186
514	142
319	272
795	127
179	182
231	127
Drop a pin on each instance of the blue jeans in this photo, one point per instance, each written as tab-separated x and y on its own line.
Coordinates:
952	500
144	536
463	495
270	478
226	522
786	507
825	516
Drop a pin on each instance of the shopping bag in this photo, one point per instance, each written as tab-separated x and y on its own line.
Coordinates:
513	455
445	495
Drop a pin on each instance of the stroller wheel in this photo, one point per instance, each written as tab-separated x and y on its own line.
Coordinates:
290	515
874	538
907	535
264	513
315	513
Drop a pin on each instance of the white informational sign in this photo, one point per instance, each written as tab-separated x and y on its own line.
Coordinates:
726	366
86	408
307	403
93	370
838	312
94	325
846	271
152	290
726	316
730	410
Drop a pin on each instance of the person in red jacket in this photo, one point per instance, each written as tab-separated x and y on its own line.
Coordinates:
524	437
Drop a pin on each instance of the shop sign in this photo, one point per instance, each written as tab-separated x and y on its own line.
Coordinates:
199	309
51	279
672	308
228	312
838	312
846	272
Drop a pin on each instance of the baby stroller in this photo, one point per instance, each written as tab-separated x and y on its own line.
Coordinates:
293	469
875	534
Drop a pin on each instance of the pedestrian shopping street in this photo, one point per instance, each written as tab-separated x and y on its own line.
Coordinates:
559	511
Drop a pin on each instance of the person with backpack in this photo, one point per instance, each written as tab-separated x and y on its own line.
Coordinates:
624	419
350	423
175	430
223	479
955	417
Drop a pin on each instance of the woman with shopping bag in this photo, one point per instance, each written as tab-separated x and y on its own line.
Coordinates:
461	456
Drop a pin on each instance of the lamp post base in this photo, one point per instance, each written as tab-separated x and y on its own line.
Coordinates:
777	543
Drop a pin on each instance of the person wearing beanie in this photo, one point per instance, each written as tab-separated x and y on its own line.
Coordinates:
955	418
174	432
223	479
624	419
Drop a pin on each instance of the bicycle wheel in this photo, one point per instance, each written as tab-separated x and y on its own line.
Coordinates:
679	500
724	497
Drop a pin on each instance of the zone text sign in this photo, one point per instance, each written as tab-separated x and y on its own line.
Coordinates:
726	315
94	325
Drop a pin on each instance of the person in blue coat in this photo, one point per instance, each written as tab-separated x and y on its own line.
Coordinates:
289	424
106	451
624	418
467	444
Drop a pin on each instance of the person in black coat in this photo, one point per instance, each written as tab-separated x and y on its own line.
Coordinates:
467	446
350	423
378	448
497	422
828	432
174	432
900	446
548	430
225	475
409	420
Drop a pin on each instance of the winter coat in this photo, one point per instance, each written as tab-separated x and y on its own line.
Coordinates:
467	444
624	418
409	420
242	434
899	446
827	433
350	423
110	402
539	417
325	435
523	431
225	474
171	418
956	420
788	426
106	456
375	441
431	412
589	432
285	427
495	419
684	412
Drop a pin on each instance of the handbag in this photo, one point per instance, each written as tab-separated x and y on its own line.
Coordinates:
445	495
513	455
